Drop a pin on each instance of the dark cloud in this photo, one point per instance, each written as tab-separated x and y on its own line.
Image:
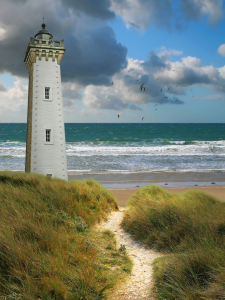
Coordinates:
154	61
69	93
92	59
195	10
68	103
92	53
95	8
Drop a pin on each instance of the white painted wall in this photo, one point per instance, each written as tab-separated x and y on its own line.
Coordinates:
48	158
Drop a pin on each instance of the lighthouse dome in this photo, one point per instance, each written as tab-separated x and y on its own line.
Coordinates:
43	34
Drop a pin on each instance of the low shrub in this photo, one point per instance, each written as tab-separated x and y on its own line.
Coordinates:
48	248
189	229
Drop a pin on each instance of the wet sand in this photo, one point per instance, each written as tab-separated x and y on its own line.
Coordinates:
122	195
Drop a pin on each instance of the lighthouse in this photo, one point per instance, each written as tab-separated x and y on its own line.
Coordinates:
45	143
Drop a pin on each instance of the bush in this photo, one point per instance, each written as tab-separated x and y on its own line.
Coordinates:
190	227
47	247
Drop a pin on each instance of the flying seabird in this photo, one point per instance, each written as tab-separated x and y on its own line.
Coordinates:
144	89
157	79
165	97
168	88
112	82
118	116
141	86
142	118
161	90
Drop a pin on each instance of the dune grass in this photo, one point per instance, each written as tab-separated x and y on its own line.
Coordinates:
48	247
189	229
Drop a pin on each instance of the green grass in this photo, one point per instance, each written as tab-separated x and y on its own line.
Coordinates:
49	248
189	229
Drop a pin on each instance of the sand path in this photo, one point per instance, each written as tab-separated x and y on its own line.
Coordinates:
139	282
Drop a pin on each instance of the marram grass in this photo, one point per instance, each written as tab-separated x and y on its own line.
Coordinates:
189	229
48	248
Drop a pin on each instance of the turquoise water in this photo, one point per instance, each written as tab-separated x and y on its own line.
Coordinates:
127	148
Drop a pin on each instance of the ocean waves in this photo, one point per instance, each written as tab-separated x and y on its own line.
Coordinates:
127	148
176	148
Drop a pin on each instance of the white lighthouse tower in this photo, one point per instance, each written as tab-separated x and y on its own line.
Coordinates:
45	145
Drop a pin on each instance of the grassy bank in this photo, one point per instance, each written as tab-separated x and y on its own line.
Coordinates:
48	248
190	229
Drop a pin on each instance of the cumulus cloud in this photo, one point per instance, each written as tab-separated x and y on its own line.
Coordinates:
165	81
93	56
168	52
221	50
92	51
196	9
15	98
142	13
72	91
2	87
97	8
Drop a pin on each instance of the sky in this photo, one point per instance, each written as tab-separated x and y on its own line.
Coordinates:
175	48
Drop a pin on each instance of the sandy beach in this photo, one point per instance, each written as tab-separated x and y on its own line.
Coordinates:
122	195
123	188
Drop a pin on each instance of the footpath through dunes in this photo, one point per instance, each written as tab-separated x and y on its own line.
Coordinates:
139	282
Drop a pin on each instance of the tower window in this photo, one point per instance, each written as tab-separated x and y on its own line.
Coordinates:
48	135
47	92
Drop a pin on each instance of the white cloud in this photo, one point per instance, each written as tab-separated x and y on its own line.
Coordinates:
2	33
2	87
141	13
174	78
15	98
167	52
221	50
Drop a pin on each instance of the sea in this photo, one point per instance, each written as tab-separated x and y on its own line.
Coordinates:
131	154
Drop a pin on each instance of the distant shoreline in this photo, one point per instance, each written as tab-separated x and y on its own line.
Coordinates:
164	179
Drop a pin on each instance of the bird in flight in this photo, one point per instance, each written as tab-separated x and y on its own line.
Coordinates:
173	70
192	96
165	97
141	86
155	104
112	82
156	109
142	118
176	100
176	85
157	79
161	90
144	89
168	88
118	116
137	79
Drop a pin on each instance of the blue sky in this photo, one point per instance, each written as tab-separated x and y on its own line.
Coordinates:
122	41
